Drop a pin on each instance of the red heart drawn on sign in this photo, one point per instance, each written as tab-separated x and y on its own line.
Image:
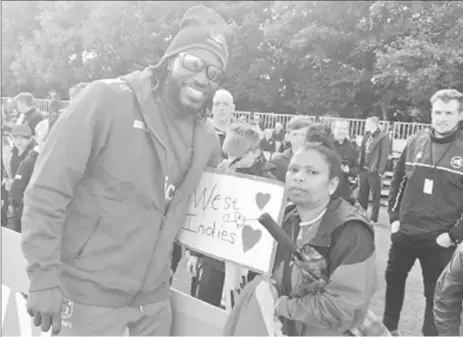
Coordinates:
250	237
262	200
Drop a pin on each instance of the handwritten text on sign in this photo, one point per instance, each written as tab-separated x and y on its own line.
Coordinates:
222	219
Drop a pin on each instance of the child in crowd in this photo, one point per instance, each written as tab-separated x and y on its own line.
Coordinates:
268	144
242	146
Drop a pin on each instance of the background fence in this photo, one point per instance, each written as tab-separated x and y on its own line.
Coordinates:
399	132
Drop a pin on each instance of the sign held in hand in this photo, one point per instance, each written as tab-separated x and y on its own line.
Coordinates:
222	219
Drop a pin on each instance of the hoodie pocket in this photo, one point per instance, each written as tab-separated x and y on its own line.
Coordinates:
89	238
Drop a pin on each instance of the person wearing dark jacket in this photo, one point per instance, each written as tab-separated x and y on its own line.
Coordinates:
348	154
29	115
374	154
26	168
297	129
242	147
425	207
448	297
329	292
22	145
111	186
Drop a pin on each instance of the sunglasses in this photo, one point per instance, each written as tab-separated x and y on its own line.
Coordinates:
195	64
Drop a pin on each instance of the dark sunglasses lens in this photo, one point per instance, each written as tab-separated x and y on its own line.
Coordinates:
215	74
193	63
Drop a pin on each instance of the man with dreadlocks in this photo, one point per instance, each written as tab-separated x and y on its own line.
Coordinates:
111	186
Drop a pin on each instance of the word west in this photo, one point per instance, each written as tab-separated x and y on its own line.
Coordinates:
229	218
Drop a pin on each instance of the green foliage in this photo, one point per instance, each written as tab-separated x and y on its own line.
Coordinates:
344	58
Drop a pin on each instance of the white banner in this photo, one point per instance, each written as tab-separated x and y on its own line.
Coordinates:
222	219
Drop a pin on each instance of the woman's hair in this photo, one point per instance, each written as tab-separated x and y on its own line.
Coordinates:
320	139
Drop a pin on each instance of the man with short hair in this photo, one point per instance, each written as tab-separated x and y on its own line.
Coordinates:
448	297
346	151
223	107
279	136
29	115
425	207
110	189
23	143
374	154
297	129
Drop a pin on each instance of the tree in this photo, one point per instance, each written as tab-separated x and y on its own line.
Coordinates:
19	22
423	54
345	58
315	47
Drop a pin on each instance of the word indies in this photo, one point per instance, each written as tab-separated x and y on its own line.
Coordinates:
212	231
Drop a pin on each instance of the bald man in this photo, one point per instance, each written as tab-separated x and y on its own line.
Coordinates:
223	107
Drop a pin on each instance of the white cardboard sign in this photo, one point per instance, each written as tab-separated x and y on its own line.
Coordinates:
222	218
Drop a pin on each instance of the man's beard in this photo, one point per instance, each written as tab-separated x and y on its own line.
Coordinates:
173	90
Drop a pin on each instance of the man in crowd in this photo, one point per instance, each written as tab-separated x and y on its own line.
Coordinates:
348	155
24	172
279	136
223	107
29	115
268	144
374	154
258	124
448	297
111	186
297	129
425	207
22	145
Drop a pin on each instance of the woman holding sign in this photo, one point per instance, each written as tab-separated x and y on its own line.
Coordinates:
328	288
327	291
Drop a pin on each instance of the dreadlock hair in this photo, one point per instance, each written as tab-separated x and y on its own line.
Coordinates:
159	75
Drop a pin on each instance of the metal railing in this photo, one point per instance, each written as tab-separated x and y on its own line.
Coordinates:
398	130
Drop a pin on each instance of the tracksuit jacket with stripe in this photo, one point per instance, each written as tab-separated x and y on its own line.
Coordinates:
426	192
